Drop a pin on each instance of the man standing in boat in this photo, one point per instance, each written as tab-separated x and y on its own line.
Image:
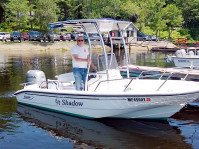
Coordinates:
80	60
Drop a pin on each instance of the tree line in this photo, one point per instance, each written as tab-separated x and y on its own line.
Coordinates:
162	18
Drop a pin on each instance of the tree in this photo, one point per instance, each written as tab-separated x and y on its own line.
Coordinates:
45	13
173	17
143	10
129	11
73	9
32	8
112	10
157	23
190	11
65	9
17	11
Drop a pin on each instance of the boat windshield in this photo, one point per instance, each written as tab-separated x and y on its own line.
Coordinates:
112	62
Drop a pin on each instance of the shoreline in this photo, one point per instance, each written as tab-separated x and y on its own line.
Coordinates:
67	45
37	46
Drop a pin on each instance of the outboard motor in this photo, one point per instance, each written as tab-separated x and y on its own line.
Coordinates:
183	52
36	77
180	53
191	53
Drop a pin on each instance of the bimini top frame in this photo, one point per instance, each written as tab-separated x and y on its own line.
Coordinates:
99	26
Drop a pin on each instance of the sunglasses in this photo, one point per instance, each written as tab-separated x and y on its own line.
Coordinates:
80	40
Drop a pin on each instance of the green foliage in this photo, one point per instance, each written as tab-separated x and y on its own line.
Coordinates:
190	12
148	30
173	17
155	17
69	29
5	28
17	11
129	11
194	32
112	10
45	13
157	23
175	34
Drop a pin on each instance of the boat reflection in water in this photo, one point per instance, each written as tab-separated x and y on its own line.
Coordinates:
187	121
107	133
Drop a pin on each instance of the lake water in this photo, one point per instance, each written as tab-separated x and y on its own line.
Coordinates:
23	127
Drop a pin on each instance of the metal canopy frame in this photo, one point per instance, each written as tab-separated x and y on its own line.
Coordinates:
98	26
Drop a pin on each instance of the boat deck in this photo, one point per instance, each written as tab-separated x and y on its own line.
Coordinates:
180	73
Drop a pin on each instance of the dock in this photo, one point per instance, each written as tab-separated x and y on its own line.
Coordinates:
165	49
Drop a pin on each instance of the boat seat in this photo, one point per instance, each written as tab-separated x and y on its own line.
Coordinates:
68	86
56	84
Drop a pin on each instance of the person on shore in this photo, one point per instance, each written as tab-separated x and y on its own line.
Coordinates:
80	60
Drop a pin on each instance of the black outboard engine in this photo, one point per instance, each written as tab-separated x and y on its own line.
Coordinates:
36	77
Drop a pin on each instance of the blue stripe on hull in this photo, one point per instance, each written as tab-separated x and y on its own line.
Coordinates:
86	117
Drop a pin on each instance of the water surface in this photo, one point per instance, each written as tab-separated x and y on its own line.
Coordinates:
26	127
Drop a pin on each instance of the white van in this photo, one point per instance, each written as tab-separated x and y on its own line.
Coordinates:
4	36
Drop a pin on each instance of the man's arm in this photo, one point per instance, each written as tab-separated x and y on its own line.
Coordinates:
75	56
91	63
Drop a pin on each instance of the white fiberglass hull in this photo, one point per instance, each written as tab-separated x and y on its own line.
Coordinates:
187	61
98	105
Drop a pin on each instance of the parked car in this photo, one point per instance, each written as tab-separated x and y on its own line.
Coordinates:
34	36
53	37
2	36
105	38
94	37
7	36
43	37
142	37
65	36
152	38
85	37
16	35
74	35
25	36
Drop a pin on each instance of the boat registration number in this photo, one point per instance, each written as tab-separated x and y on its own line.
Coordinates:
139	99
183	61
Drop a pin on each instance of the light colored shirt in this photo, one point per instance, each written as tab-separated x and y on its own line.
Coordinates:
82	52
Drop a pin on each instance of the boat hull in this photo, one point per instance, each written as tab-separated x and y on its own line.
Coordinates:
186	61
95	105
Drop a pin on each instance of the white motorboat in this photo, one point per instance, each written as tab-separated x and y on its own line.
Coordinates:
185	58
107	95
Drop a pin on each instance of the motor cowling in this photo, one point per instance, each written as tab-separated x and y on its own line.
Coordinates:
191	53
180	53
36	77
